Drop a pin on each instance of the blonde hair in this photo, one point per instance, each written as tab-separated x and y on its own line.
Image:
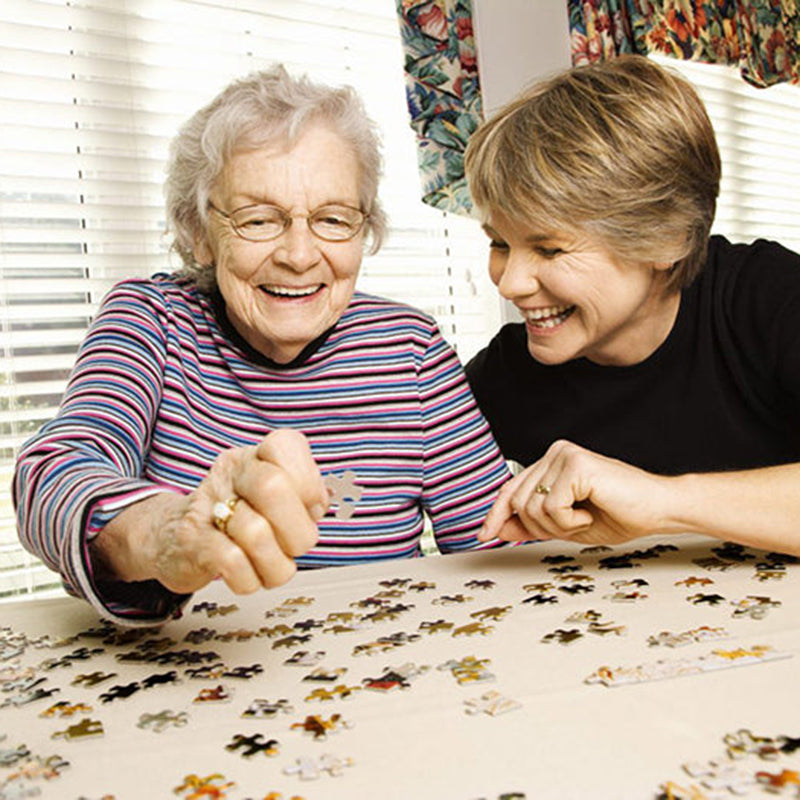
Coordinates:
264	108
623	149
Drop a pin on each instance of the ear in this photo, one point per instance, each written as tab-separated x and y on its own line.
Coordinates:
663	266
202	252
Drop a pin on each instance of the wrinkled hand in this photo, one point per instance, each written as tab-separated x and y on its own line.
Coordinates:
591	499
281	500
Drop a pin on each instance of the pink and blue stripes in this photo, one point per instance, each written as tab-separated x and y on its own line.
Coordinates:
159	390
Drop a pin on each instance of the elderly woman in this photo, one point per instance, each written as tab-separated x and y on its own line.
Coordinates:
653	385
206	407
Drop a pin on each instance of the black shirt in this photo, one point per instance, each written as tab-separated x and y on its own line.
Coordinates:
722	391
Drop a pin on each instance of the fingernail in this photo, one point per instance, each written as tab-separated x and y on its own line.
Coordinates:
317	512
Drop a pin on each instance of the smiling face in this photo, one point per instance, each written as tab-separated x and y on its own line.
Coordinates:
282	294
578	299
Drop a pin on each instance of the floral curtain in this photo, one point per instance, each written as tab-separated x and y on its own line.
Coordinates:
762	37
443	94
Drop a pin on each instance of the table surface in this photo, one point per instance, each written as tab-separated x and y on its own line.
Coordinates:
565	738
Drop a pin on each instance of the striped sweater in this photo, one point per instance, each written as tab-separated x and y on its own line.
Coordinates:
163	384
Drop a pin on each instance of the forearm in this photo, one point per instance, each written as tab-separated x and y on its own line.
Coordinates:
126	549
759	508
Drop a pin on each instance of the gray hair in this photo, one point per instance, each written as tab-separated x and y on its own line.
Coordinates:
262	108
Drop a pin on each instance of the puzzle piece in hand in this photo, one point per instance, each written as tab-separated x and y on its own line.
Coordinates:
344	491
492	703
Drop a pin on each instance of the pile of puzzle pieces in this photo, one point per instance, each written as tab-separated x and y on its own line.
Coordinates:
64	693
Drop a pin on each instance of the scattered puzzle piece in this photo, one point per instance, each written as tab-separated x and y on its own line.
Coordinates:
492	703
253	745
163	720
197	788
267	709
308	769
319	727
85	729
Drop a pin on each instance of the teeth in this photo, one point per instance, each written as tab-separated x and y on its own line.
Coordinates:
286	291
548	317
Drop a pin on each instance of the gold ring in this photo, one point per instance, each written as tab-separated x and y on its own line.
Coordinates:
542	489
222	512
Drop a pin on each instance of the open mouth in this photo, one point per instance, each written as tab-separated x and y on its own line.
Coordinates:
289	291
544	318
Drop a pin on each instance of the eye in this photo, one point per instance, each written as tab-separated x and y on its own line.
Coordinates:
332	220
497	244
257	217
549	252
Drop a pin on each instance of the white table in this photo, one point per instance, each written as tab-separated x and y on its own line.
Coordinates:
569	738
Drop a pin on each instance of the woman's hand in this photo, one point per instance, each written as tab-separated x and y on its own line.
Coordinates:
279	497
573	493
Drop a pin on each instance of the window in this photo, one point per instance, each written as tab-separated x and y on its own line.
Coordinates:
91	92
757	136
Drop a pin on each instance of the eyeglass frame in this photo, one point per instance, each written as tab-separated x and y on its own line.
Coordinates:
289	219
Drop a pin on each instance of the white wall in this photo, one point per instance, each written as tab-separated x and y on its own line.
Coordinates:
518	43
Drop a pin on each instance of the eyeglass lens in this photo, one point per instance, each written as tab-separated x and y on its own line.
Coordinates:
263	222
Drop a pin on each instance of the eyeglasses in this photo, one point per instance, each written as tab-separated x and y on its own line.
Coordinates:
261	223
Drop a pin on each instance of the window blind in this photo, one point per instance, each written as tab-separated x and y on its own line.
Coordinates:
757	136
91	92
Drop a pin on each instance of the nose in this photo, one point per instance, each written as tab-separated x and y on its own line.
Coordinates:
518	277
297	247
